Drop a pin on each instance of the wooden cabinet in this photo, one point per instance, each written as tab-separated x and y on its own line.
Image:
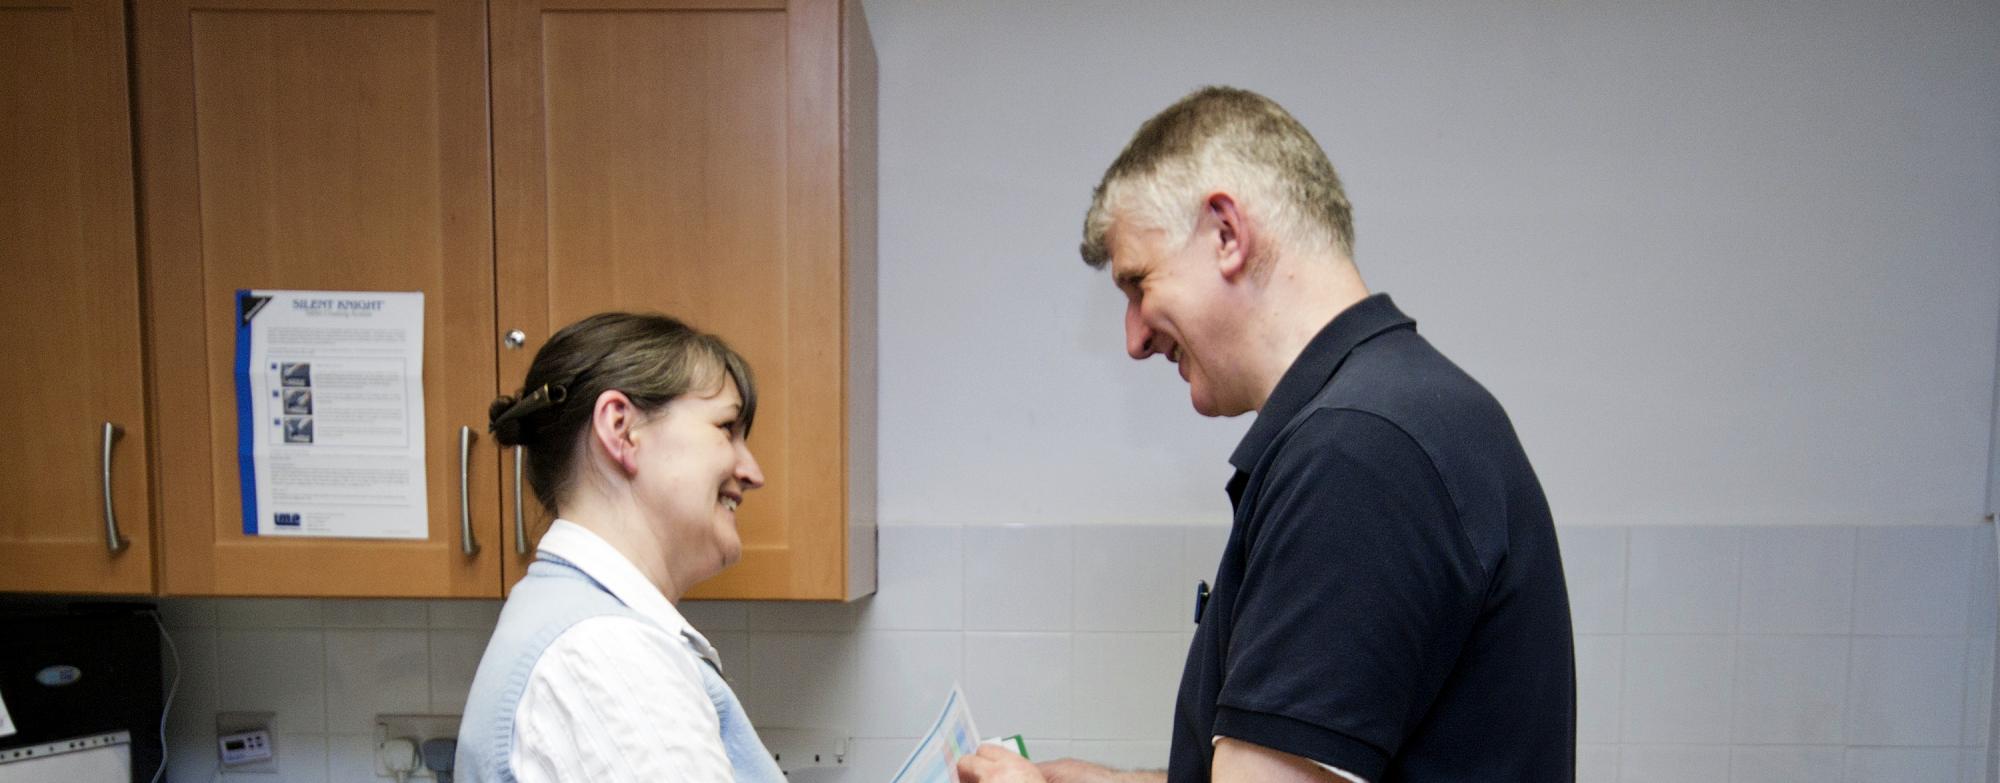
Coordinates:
711	160
294	144
72	391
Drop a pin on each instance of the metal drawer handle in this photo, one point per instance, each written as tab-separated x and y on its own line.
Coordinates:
520	524
466	544
112	541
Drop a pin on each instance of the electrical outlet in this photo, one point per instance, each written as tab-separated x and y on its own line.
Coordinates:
415	728
796	749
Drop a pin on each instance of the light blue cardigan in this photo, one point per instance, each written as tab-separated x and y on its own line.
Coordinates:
552	597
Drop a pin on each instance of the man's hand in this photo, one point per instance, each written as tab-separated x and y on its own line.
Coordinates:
997	765
1073	771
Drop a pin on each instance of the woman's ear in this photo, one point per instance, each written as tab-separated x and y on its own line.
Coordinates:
612	419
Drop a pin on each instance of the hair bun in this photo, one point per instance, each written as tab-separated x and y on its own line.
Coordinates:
508	432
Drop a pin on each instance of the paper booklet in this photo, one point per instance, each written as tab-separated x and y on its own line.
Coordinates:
951	736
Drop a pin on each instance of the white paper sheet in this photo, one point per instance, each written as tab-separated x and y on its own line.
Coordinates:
952	735
105	758
330	413
6	721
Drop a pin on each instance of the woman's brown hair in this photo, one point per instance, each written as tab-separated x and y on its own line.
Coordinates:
650	357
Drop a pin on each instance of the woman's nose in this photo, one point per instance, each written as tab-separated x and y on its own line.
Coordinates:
747	470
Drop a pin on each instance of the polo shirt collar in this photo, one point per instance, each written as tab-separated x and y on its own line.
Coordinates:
588	552
1310	372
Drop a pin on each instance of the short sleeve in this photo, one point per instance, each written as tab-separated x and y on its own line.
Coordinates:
1359	592
616	699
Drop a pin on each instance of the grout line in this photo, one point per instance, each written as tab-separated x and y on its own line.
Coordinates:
1624	609
1847	674
1735	645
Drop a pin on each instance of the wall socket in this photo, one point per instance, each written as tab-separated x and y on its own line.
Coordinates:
797	749
415	728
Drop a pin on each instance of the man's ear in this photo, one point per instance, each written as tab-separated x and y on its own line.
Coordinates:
1222	217
612	420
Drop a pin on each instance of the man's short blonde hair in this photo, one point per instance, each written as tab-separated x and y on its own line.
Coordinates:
1222	138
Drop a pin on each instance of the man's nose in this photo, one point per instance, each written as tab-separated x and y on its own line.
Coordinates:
1138	336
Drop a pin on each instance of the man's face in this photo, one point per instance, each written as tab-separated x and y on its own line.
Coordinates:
1172	292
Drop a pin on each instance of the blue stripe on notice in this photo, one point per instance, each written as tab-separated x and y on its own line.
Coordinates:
246	444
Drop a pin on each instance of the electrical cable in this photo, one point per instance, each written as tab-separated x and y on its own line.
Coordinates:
173	688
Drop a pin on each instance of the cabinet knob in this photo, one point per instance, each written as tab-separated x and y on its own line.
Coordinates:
516	338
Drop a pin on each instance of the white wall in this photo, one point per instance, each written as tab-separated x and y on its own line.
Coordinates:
1724	262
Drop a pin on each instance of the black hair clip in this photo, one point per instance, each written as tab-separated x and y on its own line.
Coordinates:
550	395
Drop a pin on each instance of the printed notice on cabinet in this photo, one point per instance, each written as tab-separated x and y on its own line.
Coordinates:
330	413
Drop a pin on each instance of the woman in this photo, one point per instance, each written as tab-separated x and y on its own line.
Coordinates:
634	428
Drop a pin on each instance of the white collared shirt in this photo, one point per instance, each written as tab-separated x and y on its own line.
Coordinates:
614	698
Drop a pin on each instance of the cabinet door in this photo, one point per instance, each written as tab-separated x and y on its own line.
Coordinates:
70	307
685	157
316	144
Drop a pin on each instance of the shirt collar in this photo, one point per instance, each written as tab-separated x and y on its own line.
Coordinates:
1310	372
597	559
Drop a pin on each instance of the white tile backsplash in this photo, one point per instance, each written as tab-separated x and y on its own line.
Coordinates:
1714	653
1790	689
805	681
869	760
350	758
1204	552
1597	764
903	677
1019	683
1912	580
1017	577
711	616
1907	690
1798	580
300	758
377	613
1677	689
1600	681
1972	764
1682	580
471	614
266	613
1903	765
1785	764
281	672
1125	684
374	672
1128	583
178	613
804	616
918	587
454	660
1594	569
1673	763
1976	728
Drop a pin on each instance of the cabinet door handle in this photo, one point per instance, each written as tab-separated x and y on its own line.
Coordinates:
520	524
112	541
466	542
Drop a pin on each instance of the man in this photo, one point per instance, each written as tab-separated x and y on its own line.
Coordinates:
1390	605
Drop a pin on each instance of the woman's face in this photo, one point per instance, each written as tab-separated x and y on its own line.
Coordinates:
694	469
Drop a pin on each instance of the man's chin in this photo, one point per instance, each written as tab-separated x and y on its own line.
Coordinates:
1212	408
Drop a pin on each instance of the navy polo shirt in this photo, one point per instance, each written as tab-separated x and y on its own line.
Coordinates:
1391	598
